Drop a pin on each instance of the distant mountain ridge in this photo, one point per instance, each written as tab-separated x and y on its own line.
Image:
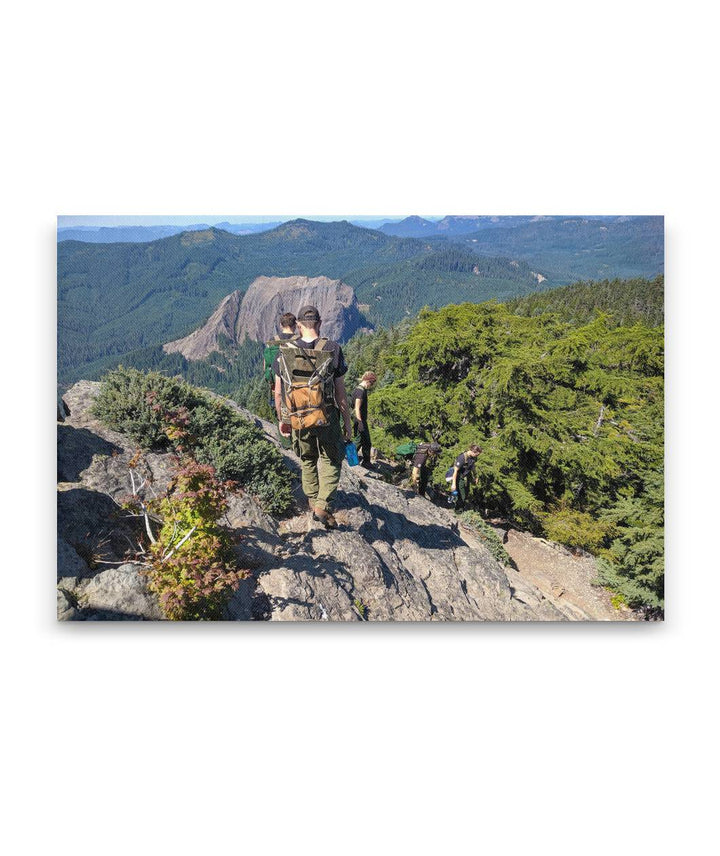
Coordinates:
145	234
410	227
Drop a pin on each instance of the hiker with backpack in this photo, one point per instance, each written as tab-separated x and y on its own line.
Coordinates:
310	400
361	430
423	463
288	325
459	475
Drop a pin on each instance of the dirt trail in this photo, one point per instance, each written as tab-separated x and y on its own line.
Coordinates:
562	577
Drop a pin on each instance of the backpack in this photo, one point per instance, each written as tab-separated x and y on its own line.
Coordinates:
405	450
430	455
272	349
309	386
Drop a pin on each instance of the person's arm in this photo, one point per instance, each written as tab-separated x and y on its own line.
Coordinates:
358	417
456	470
341	399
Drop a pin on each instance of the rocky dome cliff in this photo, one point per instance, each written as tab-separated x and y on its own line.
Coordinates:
395	556
256	314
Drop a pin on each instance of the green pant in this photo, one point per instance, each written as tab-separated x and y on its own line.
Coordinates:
321	452
463	486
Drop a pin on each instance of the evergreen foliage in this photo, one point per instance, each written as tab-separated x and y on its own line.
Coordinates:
135	402
633	566
569	416
366	352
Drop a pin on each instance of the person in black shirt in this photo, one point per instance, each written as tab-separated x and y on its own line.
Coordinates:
462	471
360	409
423	463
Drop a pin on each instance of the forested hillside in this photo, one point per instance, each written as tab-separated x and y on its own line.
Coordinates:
578	247
627	302
117	298
569	414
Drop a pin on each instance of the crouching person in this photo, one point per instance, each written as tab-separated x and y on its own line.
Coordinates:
461	474
310	402
423	463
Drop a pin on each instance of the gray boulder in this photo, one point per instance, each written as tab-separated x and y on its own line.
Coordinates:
120	594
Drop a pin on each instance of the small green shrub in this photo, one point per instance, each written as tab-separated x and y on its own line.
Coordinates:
163	413
618	601
361	608
193	569
576	529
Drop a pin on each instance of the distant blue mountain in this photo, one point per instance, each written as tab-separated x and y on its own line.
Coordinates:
247	228
123	234
410	227
464	224
373	223
145	234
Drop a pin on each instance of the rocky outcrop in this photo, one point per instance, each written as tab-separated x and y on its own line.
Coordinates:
222	325
256	315
268	297
394	557
95	537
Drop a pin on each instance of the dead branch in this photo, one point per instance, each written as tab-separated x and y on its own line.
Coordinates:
179	544
599	423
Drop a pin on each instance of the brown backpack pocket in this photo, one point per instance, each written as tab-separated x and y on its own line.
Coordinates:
306	407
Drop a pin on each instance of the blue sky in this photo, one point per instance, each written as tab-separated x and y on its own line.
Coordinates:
65	221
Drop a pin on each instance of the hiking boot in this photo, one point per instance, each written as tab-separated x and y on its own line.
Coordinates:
324	517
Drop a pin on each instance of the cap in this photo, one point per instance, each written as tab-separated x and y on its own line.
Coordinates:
309	313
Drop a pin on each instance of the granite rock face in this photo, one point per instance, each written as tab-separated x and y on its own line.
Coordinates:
269	297
256	315
394	557
222	324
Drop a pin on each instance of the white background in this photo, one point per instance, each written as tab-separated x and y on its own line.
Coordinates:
348	739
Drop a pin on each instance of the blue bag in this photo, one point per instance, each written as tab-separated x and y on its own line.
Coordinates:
351	455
